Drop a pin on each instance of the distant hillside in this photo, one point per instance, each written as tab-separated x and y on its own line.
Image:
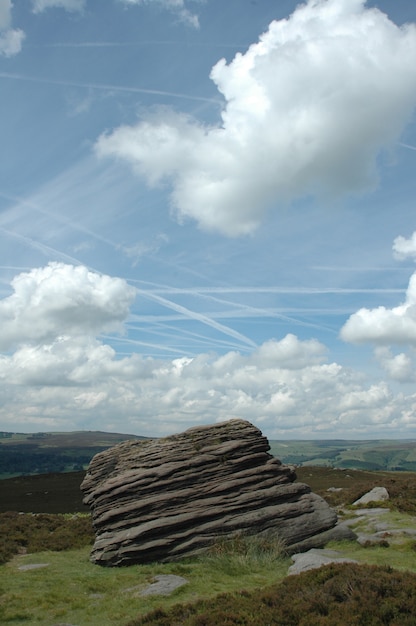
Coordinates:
377	454
23	454
43	453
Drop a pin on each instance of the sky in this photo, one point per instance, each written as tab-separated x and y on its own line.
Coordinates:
207	211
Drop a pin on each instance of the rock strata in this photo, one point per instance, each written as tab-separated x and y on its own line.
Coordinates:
163	499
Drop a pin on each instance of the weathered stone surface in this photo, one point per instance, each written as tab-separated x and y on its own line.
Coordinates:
378	494
164	585
162	499
314	559
340	532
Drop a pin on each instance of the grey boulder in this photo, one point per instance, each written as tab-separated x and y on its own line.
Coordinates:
164	499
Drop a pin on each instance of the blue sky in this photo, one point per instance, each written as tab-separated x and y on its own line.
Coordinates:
207	211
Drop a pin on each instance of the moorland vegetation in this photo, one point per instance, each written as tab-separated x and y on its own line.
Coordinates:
243	582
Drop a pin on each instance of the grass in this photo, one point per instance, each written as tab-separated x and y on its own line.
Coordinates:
400	556
73	590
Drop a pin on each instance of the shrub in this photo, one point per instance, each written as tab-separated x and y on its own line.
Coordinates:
357	595
45	531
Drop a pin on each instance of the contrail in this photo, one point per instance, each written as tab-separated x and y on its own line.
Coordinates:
252	311
22	202
273	289
131	44
35	245
105	87
200	317
406	145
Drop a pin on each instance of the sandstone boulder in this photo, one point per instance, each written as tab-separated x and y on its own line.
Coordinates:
377	494
314	559
163	499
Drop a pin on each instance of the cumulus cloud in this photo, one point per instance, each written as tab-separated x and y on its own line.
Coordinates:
59	300
400	367
404	248
10	39
176	6
285	387
69	5
308	108
384	326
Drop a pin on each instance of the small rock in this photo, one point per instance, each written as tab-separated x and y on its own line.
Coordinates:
316	558
378	494
335	489
372	540
165	585
26	568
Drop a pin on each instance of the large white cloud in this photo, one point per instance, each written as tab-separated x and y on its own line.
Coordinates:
59	300
69	5
10	39
307	111
384	326
283	387
177	6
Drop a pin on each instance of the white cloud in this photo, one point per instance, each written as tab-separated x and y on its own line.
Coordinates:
10	39
69	5
308	109
383	326
400	367
176	6
404	248
59	300
283	387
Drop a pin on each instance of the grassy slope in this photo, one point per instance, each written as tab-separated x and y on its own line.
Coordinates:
73	590
39	453
372	455
42	453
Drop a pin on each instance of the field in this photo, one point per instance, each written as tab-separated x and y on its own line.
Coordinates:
234	584
382	454
42	453
43	522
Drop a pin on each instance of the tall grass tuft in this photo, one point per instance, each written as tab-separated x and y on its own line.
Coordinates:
246	553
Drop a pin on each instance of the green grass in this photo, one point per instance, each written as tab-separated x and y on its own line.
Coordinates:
73	590
400	556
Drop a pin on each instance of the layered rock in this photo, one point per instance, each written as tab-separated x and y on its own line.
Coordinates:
162	499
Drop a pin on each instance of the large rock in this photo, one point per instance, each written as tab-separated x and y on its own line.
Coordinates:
162	499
